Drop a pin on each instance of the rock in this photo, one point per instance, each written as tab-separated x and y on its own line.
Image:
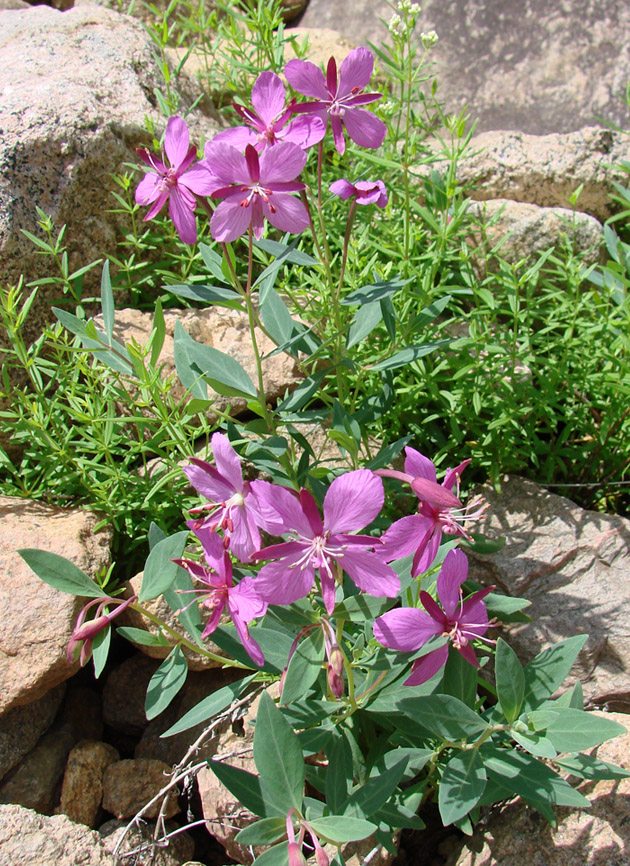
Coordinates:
13	4
531	65
82	788
590	837
225	330
159	607
290	9
129	785
82	713
34	783
528	230
322	44
26	837
21	727
573	566
545	169
72	113
124	694
171	750
37	620
180	847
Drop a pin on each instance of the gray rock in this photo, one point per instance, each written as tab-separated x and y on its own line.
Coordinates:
82	788
37	620
534	65
573	566
35	782
526	230
129	785
26	837
21	727
599	836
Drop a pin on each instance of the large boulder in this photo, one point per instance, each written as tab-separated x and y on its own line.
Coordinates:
535	65
21	727
73	110
37	620
573	566
599	836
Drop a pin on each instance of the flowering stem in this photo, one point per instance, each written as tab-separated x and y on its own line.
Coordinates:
346	242
252	318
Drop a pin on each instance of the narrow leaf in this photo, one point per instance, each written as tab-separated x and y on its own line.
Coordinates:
409	354
339	829
166	682
510	680
59	572
159	571
278	757
210	706
549	669
304	667
245	786
463	782
107	300
263	832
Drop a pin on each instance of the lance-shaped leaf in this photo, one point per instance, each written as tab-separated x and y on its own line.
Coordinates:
278	758
222	372
548	670
166	682
304	667
444	716
59	572
510	680
159	572
462	784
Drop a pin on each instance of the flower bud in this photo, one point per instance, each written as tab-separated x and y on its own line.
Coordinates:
296	858
335	682
321	856
337	660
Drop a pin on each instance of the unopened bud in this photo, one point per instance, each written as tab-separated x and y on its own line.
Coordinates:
281	683
335	682
321	856
336	660
296	858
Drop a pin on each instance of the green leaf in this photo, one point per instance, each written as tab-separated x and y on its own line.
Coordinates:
166	682
189	375
365	320
462	784
277	318
460	679
276	856
159	571
291	255
428	314
576	730
444	716
155	534
159	333
212	261
339	829
388	453
409	354
417	759
263	832
140	636
217	295
222	372
510	680
107	300
549	669
274	644
100	650
304	667
278	758
190	618
107	350
375	291
589	767
59	572
374	793
339	772
303	393
359	608
535	743
245	786
210	706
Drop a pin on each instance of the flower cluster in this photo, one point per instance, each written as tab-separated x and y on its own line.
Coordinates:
318	549
252	170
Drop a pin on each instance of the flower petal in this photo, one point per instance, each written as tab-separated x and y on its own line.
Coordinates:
453	475
157	206
336	126
426	667
305	131
208	481
343	188
264	496
214	619
149	188
253	650
227	163
244	536
368	571
405	629
419	466
238	137
453	573
468	653
307	79
327	583
355	71
176	141
364	128
227	460
268	96
406	535
199	179
284	161
426	553
244	601
230	220
433	493
283	582
183	217
289	213
352	501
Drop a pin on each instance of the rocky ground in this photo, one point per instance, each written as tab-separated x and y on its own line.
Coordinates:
78	757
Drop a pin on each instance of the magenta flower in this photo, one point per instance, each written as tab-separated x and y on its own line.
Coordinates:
407	629
253	188
233	508
179	183
364	191
84	632
242	601
268	122
440	511
353	501
338	98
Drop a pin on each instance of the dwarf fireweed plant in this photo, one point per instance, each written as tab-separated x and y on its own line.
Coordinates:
393	686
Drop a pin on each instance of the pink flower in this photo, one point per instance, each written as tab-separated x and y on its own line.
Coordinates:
268	120
233	508
364	191
179	183
439	511
242	601
353	501
84	632
407	629
254	188
338	97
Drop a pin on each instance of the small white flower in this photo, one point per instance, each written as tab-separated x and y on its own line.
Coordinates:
429	38
395	24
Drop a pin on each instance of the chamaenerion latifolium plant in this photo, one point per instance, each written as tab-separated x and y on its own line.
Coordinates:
390	676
